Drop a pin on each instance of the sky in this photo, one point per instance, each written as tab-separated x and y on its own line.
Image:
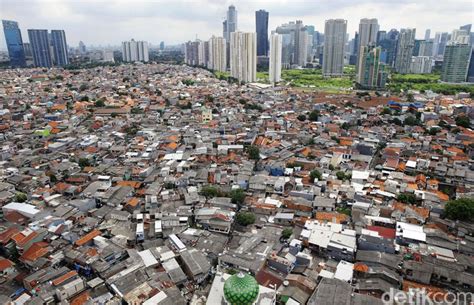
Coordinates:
108	22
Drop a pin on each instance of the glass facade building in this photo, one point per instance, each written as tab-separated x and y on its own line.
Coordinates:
14	43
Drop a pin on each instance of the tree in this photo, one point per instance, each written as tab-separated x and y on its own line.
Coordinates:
286	233
386	110
20	197
245	218
331	167
460	209
345	126
254	152
410	98
53	178
463	121
85	98
397	121
410	120
301	117
83	162
99	103
313	175
314	115
407	198
341	175
433	131
209	191
237	196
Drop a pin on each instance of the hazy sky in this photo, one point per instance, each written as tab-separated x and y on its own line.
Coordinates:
108	22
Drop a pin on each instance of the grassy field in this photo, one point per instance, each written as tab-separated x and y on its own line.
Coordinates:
424	82
313	79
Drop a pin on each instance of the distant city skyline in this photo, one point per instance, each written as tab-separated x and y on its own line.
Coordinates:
111	22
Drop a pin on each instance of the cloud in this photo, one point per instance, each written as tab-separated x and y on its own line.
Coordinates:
108	22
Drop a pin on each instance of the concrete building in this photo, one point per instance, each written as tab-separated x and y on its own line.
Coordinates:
372	73
426	48
275	58
135	51
243	56
230	24
59	44
191	52
203	53
217	54
439	43
295	42
335	31
40	48
421	64
368	29
406	43
460	36
14	43
261	27
455	63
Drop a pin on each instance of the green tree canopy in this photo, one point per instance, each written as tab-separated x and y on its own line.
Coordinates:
462	121
254	152
286	233
245	218
460	209
20	197
237	196
209	191
314	174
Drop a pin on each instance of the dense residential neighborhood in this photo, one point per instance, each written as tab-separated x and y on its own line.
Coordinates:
162	184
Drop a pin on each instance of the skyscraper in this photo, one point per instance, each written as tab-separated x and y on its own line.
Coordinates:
388	43
455	62
426	48
295	42
230	24
243	56
460	36
40	47
14	43
334	41
368	29
470	71
59	44
275	58
421	64
440	41
82	47
427	34
191	53
217	54
261	26
372	73
135	51
203	53
406	42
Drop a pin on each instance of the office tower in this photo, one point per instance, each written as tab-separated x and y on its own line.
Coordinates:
217	54
295	43
203	53
82	47
230	24
368	29
135	51
427	34
470	71
440	41
191	53
261	25
224	29
406	42
275	58
243	56
40	48
388	43
334	41
108	56
460	36
421	64
455	62
162	46
27	49
14	43
466	28
372	73
59	44
416	47
426	48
